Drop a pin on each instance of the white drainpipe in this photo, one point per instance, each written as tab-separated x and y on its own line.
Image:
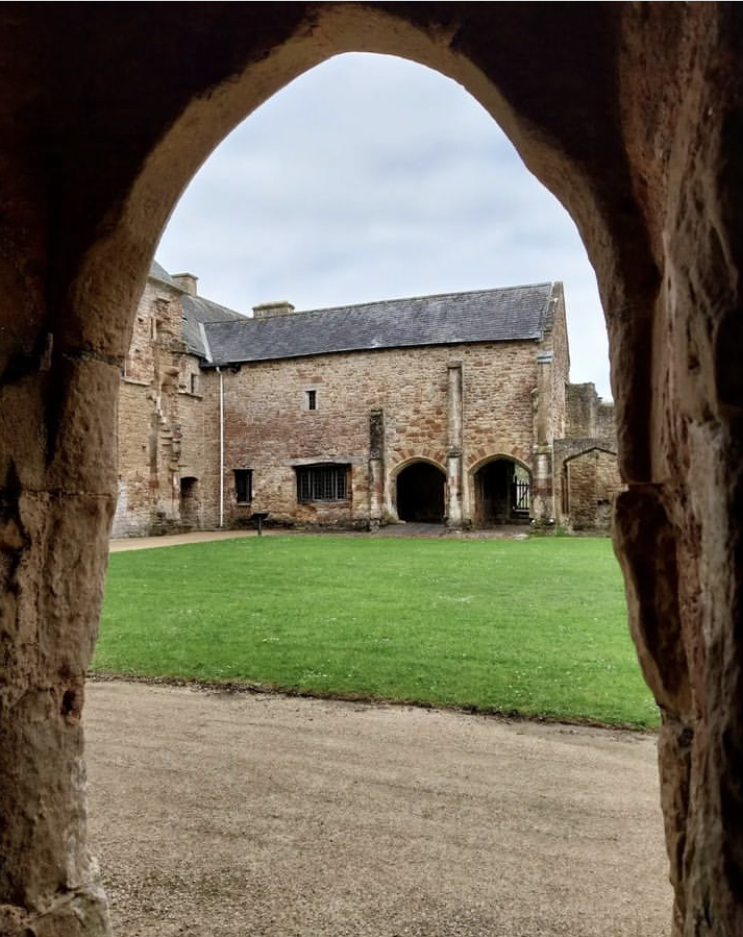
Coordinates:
221	447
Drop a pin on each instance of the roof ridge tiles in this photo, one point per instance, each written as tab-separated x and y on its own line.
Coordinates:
428	297
508	313
503	314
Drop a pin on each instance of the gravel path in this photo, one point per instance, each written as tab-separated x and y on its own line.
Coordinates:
415	530
265	816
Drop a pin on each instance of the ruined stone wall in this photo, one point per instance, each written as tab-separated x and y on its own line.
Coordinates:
581	410
587	414
581	490
586	467
605	424
169	467
169	473
137	419
269	428
608	485
139	362
558	339
592	484
194	455
161	422
133	504
210	476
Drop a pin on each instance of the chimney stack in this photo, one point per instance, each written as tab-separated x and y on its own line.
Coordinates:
269	310
187	282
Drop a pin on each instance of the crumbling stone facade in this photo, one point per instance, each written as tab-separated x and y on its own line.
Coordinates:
460	432
585	462
168	408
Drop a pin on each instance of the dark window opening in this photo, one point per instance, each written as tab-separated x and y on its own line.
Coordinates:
194	383
322	483
190	501
244	485
311	399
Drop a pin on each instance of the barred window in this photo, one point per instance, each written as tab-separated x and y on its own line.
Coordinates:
322	483
244	486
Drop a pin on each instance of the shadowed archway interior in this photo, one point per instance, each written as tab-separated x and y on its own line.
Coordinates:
501	493
420	494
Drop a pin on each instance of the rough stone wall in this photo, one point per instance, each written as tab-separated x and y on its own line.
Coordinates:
161	422
605	422
609	484
133	506
581	410
586	467
581	490
558	339
498	411
588	416
210	478
196	458
269	429
169	410
592	484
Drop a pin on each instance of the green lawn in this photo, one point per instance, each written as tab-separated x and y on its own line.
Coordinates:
536	626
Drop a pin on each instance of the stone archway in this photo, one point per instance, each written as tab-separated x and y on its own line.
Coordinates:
501	493
590	486
420	493
637	134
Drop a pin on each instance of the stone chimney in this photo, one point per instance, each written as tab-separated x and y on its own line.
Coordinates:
187	282
268	310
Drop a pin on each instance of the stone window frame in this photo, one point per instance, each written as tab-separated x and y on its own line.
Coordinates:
326	481
311	400
243	485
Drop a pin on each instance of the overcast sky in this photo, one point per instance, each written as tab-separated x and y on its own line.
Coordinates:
374	178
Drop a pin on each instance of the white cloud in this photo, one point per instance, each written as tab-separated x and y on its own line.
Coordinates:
373	178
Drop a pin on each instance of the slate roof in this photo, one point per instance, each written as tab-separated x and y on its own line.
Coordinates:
160	273
518	313
196	311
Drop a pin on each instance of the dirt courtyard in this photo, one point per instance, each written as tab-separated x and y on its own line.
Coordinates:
265	816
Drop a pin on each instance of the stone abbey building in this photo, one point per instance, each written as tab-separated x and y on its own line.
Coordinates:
453	408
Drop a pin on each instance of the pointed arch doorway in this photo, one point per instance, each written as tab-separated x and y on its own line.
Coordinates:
421	493
502	493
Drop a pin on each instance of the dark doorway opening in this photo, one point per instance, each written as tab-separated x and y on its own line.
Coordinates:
190	502
502	493
420	494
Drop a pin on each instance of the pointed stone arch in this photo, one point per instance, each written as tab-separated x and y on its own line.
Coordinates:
420	491
589	486
638	138
501	489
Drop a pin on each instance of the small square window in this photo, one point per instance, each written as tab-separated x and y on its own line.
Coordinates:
311	399
244	486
